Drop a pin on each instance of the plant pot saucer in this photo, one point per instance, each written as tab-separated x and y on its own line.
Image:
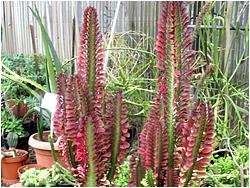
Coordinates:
17	185
9	182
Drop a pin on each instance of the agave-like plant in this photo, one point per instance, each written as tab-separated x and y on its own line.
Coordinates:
93	128
176	141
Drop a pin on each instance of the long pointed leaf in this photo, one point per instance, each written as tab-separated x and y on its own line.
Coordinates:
51	71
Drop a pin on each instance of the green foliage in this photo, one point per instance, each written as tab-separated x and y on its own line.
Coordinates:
225	172
35	178
131	68
123	175
47	177
227	89
53	65
24	66
148	181
11	124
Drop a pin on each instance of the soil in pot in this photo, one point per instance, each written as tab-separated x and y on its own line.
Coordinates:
10	166
43	151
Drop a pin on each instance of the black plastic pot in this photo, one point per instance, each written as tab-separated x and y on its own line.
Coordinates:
23	142
4	144
64	185
30	126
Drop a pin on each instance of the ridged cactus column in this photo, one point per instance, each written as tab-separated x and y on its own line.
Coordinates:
94	141
174	142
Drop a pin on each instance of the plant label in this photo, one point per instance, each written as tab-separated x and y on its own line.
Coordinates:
49	102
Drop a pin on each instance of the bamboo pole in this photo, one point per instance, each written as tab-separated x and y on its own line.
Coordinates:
73	44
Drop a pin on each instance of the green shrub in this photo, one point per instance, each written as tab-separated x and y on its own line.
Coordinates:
11	124
24	66
123	175
225	171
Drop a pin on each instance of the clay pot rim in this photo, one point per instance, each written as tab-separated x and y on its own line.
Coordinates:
43	145
36	166
17	158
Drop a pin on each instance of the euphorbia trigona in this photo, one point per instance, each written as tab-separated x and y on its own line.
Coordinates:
93	140
176	141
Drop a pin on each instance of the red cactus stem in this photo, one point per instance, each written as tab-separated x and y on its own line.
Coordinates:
59	119
168	78
136	170
90	62
198	145
116	114
72	112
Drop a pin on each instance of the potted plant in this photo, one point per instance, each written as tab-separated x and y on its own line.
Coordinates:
12	124
12	160
23	168
42	149
52	66
55	176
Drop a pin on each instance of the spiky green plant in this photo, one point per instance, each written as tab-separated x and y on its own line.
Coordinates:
12	140
176	140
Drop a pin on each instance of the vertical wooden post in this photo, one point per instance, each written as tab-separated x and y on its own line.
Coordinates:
34	47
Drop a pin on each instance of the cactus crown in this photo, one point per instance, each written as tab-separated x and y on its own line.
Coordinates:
12	140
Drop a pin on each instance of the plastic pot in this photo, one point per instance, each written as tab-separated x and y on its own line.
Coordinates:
64	185
30	126
4	143
23	142
10	166
43	151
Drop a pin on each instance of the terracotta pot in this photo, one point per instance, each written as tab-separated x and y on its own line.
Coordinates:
11	165
43	151
23	168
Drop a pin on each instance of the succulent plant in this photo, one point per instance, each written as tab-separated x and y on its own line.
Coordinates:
12	140
93	128
176	140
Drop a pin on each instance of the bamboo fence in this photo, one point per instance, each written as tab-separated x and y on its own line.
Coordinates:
138	16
